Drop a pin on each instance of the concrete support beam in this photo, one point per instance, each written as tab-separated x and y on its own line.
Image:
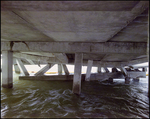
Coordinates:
105	68
16	67
7	69
144	69
61	57
99	69
127	80
37	58
50	78
124	71
77	73
136	79
17	70
66	47
30	61
65	69
45	60
136	74
22	67
114	69
59	69
110	80
43	70
133	62
88	71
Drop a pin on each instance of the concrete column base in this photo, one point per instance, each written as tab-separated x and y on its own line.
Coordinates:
7	72
127	80
9	85
136	79
110	80
77	73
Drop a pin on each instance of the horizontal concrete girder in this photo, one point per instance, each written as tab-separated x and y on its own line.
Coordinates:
61	56
72	47
45	60
37	58
137	61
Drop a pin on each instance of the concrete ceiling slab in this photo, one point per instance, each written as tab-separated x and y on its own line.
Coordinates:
119	57
136	31
21	32
69	5
77	21
77	26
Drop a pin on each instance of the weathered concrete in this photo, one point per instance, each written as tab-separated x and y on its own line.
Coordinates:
77	73
22	67
7	66
144	69
88	71
105	76
94	76
118	47
30	61
123	70
99	69
111	33
65	69
51	59
127	80
136	79
44	69
59	69
114	69
136	74
37	58
106	70
17	70
51	77
61	57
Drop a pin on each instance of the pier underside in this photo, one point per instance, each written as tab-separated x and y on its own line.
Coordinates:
82	33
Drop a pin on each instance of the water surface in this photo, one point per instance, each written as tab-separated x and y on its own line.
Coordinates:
54	99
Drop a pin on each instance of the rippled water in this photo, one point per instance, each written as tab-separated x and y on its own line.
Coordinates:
55	99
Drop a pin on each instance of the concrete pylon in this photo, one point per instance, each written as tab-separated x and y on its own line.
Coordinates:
17	70
107	71
114	69
65	69
7	69
124	71
99	69
59	69
77	73
144	69
22	67
44	69
16	67
88	71
127	80
136	79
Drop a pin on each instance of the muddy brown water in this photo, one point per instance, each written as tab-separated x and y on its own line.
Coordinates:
54	99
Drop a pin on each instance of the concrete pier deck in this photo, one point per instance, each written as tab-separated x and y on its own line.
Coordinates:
106	33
